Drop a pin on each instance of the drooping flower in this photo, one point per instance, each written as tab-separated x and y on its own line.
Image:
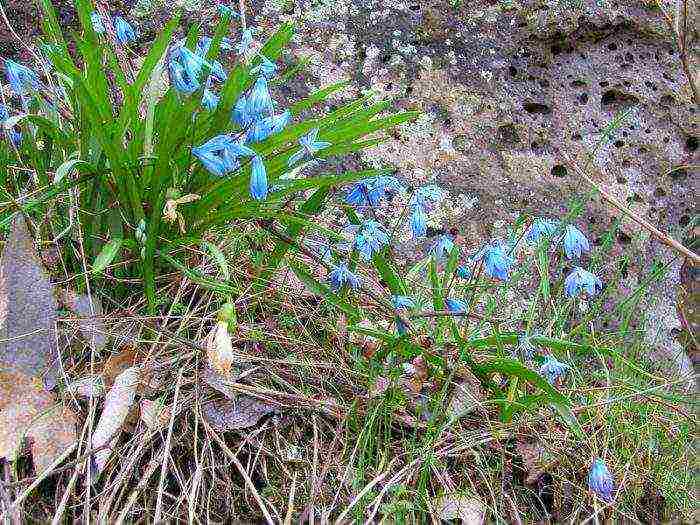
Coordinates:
575	242
123	30
525	348
210	100
219	155
370	238
309	146
15	137
246	41
540	228
497	261
22	79
372	190
265	68
600	481
188	69
97	24
263	128
401	303
225	10
420	203
204	44
463	272
580	280
442	247
456	306
340	276
258	179
552	369
259	103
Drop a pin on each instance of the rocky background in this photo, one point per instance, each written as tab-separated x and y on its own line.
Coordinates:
510	91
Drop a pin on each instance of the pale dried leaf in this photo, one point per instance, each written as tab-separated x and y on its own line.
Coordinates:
90	323
470	510
118	402
154	414
90	386
242	412
28	336
220	383
465	399
220	349
533	456
29	411
380	386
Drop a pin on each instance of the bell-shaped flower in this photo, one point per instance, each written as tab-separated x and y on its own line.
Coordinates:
341	276
258	179
309	146
420	203
456	306
442	247
210	100
22	79
96	21
418	221
264	128
123	30
552	369
266	68
259	102
580	280
497	261
204	44
372	190
370	239
239	113
540	228
575	242
246	41
600	481
401	303
220	154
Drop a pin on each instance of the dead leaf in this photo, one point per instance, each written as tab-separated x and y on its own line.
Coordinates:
27	410
380	386
90	386
90	323
220	383
465	399
533	456
154	414
118	363
118	402
28	335
242	412
470	510
220	349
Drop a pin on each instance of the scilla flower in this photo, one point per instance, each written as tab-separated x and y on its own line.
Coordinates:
456	306
420	203
225	10
497	262
220	154
340	276
552	369
259	102
540	228
442	247
418	221
246	41
370	238
580	280
97	24
463	272
401	303
309	146
372	190
600	481
263	128
22	79
123	30
204	44
258	179
575	242
265	68
210	100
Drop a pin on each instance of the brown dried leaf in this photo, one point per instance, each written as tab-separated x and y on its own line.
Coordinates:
242	412
154	414
533	460
220	349
90	323
27	410
28	335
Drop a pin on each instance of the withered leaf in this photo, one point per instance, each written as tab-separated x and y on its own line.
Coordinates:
534	461
242	412
469	510
90	323
28	335
29	411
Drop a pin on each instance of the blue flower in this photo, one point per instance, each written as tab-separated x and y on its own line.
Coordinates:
600	481
220	154
15	137
4	113
246	40
265	68
182	82
372	190
463	272
579	280
239	113
204	44
225	10
418	221
97	24
124	32
210	100
188	68
497	262
401	302
259	103
442	247
370	238
263	128
22	79
539	228
309	146
552	369
456	306
575	242
340	276
421	200
258	179
426	195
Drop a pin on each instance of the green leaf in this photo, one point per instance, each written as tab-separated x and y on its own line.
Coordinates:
218	257
107	255
65	168
390	274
